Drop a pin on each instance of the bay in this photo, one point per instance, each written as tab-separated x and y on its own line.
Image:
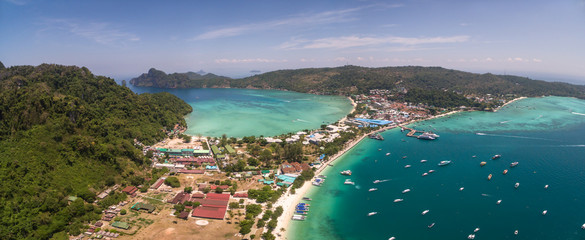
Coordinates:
249	112
545	135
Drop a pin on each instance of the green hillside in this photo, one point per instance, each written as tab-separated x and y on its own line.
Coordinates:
64	131
157	78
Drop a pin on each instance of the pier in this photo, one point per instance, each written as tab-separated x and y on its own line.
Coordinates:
411	131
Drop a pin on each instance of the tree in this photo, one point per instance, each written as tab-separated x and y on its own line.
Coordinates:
246	226
179	208
123	212
188	189
172	182
218	190
293	152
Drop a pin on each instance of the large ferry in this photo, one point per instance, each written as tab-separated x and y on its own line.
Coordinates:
427	136
376	136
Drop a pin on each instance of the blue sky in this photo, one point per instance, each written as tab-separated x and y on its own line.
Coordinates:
536	38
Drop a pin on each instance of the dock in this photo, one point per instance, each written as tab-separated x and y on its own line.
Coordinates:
411	131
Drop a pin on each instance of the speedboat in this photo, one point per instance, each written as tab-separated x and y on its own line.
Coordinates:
407	166
471	236
499	201
482	164
392	238
398	200
546	186
443	163
473	156
516	185
406	190
376	181
432	225
514	164
349	182
403	157
583	226
379	149
387	154
306	198
476	230
516	232
496	156
490	177
431	171
424	174
461	189
544	212
372	189
423	161
346	172
372	213
425	212
505	171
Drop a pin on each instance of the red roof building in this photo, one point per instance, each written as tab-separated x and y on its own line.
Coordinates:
198	195
224	187
157	184
192	171
130	190
209	212
241	195
218	196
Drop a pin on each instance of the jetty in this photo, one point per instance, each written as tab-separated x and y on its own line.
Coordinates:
411	132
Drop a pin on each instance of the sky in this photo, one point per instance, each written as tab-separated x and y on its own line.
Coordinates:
122	39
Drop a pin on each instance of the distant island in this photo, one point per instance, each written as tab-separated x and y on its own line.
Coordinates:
409	83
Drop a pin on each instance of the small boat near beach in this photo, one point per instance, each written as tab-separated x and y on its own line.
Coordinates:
544	212
432	225
482	164
516	185
423	161
307	199
372	189
461	189
299	217
546	186
398	200
424	174
407	166
372	213
406	190
490	177
516	232
505	171
425	212
514	164
348	182
346	172
387	154
496	156
444	163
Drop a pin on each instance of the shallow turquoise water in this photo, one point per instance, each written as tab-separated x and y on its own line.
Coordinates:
545	135
247	112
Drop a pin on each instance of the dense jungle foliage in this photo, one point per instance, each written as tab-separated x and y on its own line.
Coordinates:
157	78
65	132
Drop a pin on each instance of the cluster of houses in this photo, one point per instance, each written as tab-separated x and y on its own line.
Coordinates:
213	205
381	108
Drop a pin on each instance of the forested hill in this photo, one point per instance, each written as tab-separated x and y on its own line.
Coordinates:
157	78
356	80
64	131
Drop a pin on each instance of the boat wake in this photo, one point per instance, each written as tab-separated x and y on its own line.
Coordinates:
577	145
505	121
513	136
481	134
486	195
301	120
576	113
381	181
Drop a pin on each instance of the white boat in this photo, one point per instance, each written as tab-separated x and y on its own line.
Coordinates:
425	212
349	182
544	212
376	181
476	230
372	189
387	154
424	174
372	213
444	163
514	164
346	172
583	226
398	200
461	189
471	236
431	171
423	161
516	232
516	185
499	201
407	166
546	186
406	190
392	238
432	225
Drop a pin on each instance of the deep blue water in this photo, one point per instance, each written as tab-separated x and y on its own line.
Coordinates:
544	135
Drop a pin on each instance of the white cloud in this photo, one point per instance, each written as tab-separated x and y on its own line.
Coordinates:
357	41
250	60
337	16
537	60
100	32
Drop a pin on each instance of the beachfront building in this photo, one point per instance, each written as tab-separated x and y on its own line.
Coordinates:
293	168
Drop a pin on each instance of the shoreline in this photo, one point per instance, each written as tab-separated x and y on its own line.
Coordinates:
508	102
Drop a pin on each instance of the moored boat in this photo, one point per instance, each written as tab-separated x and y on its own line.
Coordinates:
432	225
307	199
392	238
423	161
583	226
424	174
346	172
471	236
407	166
444	163
546	186
490	177
496	156
516	185
505	171
348	182
499	201
398	200
514	164
387	154
476	230
406	190
372	213
431	171
544	212
425	212
482	164
372	189
461	189
427	136
516	232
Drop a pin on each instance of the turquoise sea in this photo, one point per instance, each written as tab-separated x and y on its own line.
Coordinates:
247	112
546	137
